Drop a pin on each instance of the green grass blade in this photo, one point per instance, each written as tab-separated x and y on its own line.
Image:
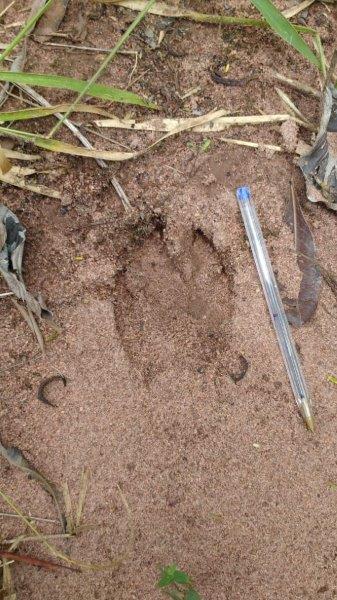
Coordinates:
96	90
285	30
26	29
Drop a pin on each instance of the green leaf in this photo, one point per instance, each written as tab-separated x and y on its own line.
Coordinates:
167	575
171	574
192	595
285	30
205	145
181	577
60	82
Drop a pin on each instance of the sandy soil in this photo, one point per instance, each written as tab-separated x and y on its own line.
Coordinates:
176	388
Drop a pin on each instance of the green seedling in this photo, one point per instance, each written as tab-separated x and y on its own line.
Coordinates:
177	584
205	145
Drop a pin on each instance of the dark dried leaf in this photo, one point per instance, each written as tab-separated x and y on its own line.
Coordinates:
230	81
13	236
305	305
319	166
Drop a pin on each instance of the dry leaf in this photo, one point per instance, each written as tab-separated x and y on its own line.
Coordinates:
319	165
20	155
305	305
11	254
211	122
160	8
294	110
18	180
5	164
208	123
249	144
298	85
294	10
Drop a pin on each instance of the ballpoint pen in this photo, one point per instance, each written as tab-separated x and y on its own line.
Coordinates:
273	298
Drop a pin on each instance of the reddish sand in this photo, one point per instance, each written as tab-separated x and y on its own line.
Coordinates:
160	318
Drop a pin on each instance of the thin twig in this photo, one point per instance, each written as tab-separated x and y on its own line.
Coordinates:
3	12
90	129
32	538
15	516
122	195
36	562
89	48
298	85
259	145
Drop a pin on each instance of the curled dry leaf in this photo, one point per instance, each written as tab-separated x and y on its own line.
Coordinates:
11	254
319	165
303	308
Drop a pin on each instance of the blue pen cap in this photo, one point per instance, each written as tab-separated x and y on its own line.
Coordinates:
243	193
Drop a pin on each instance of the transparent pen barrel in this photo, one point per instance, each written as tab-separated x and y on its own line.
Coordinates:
274	301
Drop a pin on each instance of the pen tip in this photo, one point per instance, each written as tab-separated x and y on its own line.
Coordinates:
310	423
306	413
